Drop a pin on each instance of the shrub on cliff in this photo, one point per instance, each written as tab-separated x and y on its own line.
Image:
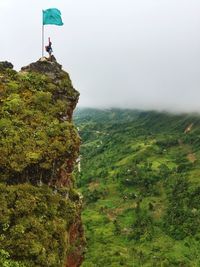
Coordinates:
5	260
34	224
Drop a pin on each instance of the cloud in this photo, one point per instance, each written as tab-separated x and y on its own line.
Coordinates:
5	3
120	53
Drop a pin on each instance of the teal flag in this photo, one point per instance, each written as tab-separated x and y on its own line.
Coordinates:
52	16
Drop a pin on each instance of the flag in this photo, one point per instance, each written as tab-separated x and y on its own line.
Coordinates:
52	16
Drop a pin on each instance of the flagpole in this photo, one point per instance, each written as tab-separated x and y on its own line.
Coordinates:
42	40
42	34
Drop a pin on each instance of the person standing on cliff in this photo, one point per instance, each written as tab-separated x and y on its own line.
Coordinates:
50	16
48	48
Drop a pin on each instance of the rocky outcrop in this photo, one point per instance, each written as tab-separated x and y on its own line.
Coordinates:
5	65
58	77
39	146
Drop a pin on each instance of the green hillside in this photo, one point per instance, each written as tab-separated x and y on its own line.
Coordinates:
140	177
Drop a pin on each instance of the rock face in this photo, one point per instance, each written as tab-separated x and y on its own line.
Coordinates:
39	146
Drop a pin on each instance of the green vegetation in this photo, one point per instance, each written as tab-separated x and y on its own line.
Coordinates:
140	180
5	260
33	222
38	205
35	141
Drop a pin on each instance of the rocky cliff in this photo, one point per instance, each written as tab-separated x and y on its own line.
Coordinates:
40	223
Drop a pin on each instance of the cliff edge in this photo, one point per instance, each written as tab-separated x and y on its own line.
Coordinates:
40	223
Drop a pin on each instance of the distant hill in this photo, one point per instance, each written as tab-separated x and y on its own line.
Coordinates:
140	177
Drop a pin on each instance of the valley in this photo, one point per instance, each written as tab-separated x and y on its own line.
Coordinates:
140	178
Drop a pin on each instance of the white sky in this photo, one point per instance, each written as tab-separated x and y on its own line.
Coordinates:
119	53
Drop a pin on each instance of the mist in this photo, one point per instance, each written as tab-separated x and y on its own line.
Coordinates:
139	54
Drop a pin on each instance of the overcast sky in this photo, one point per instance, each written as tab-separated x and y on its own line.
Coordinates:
119	53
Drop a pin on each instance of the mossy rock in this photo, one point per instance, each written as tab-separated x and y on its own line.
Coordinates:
37	135
34	224
39	146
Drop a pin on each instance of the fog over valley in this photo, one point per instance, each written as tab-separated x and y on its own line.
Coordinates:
140	54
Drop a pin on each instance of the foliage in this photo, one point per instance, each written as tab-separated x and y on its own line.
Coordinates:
5	260
38	142
182	216
35	139
140	180
34	224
